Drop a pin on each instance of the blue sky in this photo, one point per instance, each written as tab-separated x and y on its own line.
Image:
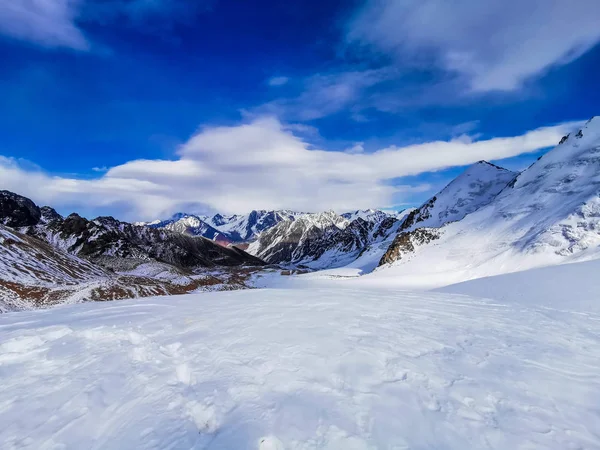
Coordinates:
140	108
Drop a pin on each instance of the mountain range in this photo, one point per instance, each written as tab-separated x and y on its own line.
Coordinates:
487	221
238	228
46	258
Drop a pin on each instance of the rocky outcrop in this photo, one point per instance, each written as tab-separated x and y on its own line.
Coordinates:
406	243
18	211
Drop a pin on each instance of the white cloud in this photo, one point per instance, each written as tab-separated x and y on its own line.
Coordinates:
49	23
278	81
262	164
496	45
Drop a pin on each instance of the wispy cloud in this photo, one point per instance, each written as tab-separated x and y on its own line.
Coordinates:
493	45
264	164
278	81
50	23
326	94
58	23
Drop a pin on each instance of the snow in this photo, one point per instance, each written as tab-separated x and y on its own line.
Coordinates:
574	287
331	367
550	215
370	215
303	229
245	227
475	187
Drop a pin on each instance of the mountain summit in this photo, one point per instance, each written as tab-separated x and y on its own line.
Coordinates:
548	214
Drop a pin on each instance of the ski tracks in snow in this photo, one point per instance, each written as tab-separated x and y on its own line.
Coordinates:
300	369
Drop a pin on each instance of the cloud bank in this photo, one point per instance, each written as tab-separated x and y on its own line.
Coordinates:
263	164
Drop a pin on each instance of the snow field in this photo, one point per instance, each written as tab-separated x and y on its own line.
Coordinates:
313	368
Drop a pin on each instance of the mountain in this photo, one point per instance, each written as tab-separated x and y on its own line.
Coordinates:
368	234
475	187
47	259
237	228
109	241
369	215
192	226
35	274
290	241
549	214
247	227
18	211
324	240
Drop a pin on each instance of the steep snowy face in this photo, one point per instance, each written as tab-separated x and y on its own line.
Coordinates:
225	229
324	240
193	226
247	227
474	188
291	240
556	202
549	214
369	215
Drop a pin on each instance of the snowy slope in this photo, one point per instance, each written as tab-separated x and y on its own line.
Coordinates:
475	187
550	214
567	287
27	260
300	369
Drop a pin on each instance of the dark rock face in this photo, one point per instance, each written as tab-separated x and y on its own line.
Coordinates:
406	242
352	239
49	214
292	241
18	211
418	215
384	227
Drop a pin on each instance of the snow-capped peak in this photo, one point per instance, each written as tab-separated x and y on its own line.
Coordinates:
548	214
475	187
370	215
